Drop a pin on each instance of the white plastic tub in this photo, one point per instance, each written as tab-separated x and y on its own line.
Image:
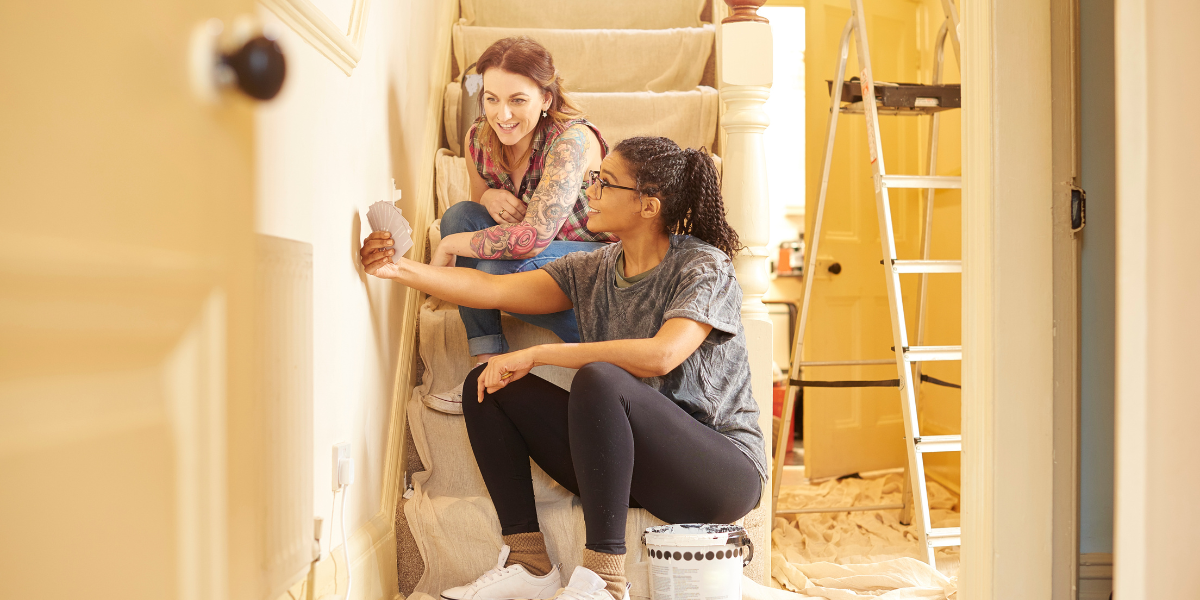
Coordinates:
697	561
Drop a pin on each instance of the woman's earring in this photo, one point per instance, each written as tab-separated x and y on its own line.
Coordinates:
543	114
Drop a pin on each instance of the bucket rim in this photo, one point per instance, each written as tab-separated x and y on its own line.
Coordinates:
695	534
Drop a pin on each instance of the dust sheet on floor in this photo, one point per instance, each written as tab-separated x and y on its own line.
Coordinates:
849	555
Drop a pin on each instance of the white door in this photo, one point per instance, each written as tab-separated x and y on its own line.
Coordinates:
126	245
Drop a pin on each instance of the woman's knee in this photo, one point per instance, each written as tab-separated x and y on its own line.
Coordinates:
595	386
470	395
465	216
597	375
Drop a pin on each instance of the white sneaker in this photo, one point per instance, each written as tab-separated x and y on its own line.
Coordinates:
508	583
449	402
585	584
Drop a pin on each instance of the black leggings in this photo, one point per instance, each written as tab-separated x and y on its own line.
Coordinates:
587	440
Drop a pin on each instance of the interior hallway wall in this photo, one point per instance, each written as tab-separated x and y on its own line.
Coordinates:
1098	293
328	147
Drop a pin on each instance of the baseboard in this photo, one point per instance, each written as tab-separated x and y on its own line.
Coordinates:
1095	576
372	563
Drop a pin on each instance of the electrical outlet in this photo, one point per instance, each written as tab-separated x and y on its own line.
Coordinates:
341	451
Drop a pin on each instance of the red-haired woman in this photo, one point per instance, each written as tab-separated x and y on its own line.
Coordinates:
531	149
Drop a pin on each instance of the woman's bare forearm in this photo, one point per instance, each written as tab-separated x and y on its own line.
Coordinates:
464	287
656	356
531	292
642	358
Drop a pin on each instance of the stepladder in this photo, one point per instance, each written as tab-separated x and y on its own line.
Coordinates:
864	95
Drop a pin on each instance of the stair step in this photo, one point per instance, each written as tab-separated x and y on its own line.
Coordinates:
607	60
939	443
689	118
610	14
927	266
933	353
923	181
944	536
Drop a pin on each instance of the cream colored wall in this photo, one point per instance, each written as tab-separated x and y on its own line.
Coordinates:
1158	282
327	148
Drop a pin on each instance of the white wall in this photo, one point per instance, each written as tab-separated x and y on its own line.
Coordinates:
1158	282
1098	293
327	148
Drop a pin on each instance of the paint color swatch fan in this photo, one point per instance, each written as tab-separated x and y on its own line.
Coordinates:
384	216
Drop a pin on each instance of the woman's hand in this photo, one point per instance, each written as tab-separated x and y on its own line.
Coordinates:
503	206
505	369
376	255
442	256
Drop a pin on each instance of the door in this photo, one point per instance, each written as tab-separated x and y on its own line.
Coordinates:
126	241
849	430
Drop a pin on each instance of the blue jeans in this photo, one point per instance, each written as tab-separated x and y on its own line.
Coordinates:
484	334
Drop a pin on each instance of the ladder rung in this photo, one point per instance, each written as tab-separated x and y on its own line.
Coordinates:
939	443
847	363
923	181
932	353
944	536
927	266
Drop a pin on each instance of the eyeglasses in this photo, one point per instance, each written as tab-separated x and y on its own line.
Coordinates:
594	177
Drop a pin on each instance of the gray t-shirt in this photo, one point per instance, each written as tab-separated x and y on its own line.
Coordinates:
695	281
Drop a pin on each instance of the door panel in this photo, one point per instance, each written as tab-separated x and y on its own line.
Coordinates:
126	222
856	429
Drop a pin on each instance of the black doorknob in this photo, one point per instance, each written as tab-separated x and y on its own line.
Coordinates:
259	67
835	268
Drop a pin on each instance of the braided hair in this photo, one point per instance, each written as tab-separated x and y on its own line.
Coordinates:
686	183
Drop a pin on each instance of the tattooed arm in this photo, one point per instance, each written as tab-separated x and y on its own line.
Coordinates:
552	202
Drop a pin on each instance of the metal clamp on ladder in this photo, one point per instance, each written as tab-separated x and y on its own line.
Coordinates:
900	100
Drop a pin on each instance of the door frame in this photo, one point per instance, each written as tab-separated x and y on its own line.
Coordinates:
1018	383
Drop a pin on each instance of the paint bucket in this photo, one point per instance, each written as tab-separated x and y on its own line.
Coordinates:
697	561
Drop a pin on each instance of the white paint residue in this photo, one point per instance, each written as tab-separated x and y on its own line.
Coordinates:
843	556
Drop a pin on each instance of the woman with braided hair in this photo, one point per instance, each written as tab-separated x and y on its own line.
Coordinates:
660	414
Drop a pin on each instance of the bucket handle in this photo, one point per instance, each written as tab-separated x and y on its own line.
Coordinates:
749	555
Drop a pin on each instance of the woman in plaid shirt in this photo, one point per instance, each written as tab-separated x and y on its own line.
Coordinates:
531	150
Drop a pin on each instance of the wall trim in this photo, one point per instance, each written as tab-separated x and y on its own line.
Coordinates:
372	559
978	376
1095	576
344	49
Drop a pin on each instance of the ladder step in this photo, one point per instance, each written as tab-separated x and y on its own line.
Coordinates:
847	363
932	353
944	536
939	443
923	181
927	266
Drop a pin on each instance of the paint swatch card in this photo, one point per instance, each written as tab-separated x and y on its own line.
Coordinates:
384	216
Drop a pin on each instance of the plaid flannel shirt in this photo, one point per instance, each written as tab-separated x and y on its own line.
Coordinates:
574	228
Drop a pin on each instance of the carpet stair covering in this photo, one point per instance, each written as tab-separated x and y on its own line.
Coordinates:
583	14
607	60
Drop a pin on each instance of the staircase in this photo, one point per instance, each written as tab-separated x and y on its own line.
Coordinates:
636	67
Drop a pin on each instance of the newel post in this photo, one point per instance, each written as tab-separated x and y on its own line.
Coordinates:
746	61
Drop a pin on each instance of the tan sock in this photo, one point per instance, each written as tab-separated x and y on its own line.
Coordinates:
529	551
610	568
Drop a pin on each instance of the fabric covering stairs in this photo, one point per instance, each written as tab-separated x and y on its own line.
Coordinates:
637	68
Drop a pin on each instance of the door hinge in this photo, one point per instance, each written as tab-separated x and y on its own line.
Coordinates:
1078	209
